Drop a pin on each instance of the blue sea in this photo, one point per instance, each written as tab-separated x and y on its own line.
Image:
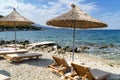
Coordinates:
92	38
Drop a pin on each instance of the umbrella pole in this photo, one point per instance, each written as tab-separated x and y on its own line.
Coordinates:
15	38
73	44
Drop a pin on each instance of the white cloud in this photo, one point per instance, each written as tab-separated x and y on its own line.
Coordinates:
43	12
112	19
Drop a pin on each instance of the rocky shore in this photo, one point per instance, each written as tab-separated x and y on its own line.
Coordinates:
37	69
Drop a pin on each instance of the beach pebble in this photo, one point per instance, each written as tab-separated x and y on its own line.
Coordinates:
37	69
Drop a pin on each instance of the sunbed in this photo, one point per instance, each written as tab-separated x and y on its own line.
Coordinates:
4	77
4	52
19	57
84	72
59	66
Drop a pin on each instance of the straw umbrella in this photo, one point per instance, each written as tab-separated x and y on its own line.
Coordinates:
15	19
76	18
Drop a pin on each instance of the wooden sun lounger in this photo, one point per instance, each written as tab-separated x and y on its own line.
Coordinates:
3	77
19	51
19	57
59	66
84	72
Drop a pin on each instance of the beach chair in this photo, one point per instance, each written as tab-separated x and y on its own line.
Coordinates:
84	72
19	51
59	66
4	77
19	57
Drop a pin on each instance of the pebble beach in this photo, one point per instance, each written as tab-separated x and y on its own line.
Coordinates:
37	69
59	28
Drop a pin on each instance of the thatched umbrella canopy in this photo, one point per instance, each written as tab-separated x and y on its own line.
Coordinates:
14	19
76	18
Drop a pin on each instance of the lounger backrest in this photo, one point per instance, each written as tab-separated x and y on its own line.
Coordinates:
65	64
60	61
81	70
57	60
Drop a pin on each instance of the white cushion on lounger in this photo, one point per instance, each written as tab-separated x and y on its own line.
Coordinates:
13	51
98	74
3	77
23	55
6	49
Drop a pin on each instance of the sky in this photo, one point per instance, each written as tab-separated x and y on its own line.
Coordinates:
39	11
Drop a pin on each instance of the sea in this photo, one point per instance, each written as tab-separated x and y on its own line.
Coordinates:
98	41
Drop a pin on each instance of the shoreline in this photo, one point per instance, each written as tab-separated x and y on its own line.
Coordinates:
99	51
111	63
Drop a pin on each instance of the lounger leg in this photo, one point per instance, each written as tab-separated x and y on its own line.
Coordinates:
18	60
69	78
37	57
84	77
61	73
105	79
30	57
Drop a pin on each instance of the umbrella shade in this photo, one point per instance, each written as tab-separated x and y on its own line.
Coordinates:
76	18
15	19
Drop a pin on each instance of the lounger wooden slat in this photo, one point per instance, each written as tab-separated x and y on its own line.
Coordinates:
19	57
59	66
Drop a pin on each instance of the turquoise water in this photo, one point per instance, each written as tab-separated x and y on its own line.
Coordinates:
65	36
83	37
